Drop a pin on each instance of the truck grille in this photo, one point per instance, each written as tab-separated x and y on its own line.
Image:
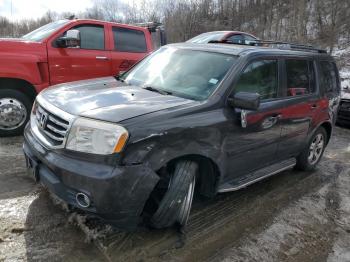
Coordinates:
49	127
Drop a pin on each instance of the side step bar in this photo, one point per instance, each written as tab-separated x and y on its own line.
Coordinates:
257	176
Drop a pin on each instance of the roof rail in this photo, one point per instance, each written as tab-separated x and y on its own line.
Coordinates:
276	44
287	45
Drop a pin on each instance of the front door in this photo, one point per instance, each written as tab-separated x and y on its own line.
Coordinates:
253	136
90	60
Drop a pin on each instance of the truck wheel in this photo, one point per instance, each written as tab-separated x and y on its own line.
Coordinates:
176	204
14	112
312	154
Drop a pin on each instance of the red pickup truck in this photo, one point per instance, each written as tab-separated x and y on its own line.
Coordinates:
63	51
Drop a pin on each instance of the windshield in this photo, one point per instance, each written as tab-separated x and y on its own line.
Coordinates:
181	72
206	37
44	31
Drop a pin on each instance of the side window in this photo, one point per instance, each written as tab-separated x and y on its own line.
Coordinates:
300	77
236	39
91	37
129	40
249	39
259	77
328	76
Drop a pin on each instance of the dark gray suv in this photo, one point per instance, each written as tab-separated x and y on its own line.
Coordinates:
212	117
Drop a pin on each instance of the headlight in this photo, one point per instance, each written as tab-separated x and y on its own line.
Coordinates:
96	137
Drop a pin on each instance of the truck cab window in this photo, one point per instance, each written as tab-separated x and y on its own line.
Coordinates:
129	40
91	37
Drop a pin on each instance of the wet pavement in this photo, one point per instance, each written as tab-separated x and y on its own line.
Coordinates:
292	216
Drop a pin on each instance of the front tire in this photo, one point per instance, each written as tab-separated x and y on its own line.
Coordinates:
312	154
14	112
175	206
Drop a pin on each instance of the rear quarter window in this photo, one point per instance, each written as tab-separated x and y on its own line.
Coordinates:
129	40
328	77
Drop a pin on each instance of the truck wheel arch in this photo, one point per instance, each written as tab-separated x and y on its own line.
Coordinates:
20	85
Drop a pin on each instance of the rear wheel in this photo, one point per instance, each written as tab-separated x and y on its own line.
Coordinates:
175	206
14	112
312	154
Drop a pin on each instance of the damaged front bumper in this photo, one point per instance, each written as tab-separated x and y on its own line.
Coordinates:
117	194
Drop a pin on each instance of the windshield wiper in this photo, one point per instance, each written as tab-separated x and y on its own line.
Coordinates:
119	78
160	91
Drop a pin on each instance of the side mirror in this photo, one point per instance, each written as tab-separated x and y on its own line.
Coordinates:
72	39
245	100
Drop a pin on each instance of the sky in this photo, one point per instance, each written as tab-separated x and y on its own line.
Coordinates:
36	8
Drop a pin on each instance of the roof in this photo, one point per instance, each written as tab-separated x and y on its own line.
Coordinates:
241	50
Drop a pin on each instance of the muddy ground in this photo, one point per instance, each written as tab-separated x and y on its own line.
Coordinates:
293	216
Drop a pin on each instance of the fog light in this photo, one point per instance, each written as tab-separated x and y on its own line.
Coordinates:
83	200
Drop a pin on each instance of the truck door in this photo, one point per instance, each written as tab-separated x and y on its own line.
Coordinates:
129	46
89	60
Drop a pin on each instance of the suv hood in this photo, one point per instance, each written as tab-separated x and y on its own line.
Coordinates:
108	99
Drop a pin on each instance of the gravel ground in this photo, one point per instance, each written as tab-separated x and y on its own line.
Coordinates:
293	216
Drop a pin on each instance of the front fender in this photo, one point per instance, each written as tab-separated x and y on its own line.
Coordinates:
159	149
22	66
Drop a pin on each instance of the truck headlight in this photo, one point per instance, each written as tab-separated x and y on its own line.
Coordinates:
96	137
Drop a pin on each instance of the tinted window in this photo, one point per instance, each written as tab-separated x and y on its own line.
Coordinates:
129	40
236	39
91	37
328	76
259	77
300	77
249	39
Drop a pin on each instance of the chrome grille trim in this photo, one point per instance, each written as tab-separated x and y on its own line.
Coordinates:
54	132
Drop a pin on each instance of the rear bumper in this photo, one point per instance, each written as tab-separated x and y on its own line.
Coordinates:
118	193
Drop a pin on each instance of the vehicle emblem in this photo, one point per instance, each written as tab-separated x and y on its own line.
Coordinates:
43	120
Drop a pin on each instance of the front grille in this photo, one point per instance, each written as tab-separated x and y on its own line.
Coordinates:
50	126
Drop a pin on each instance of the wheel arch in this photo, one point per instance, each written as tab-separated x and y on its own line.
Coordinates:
20	85
329	129
208	172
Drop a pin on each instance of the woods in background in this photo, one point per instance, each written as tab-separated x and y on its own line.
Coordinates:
325	23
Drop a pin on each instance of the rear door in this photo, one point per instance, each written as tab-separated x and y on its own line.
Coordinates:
90	60
129	46
302	103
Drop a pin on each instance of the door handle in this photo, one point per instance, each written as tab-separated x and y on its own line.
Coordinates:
270	121
101	57
314	106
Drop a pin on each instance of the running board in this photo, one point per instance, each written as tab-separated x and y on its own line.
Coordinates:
257	176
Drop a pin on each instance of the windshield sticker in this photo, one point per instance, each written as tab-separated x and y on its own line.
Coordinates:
213	81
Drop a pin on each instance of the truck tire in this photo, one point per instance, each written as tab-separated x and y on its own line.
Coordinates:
15	110
312	154
176	204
